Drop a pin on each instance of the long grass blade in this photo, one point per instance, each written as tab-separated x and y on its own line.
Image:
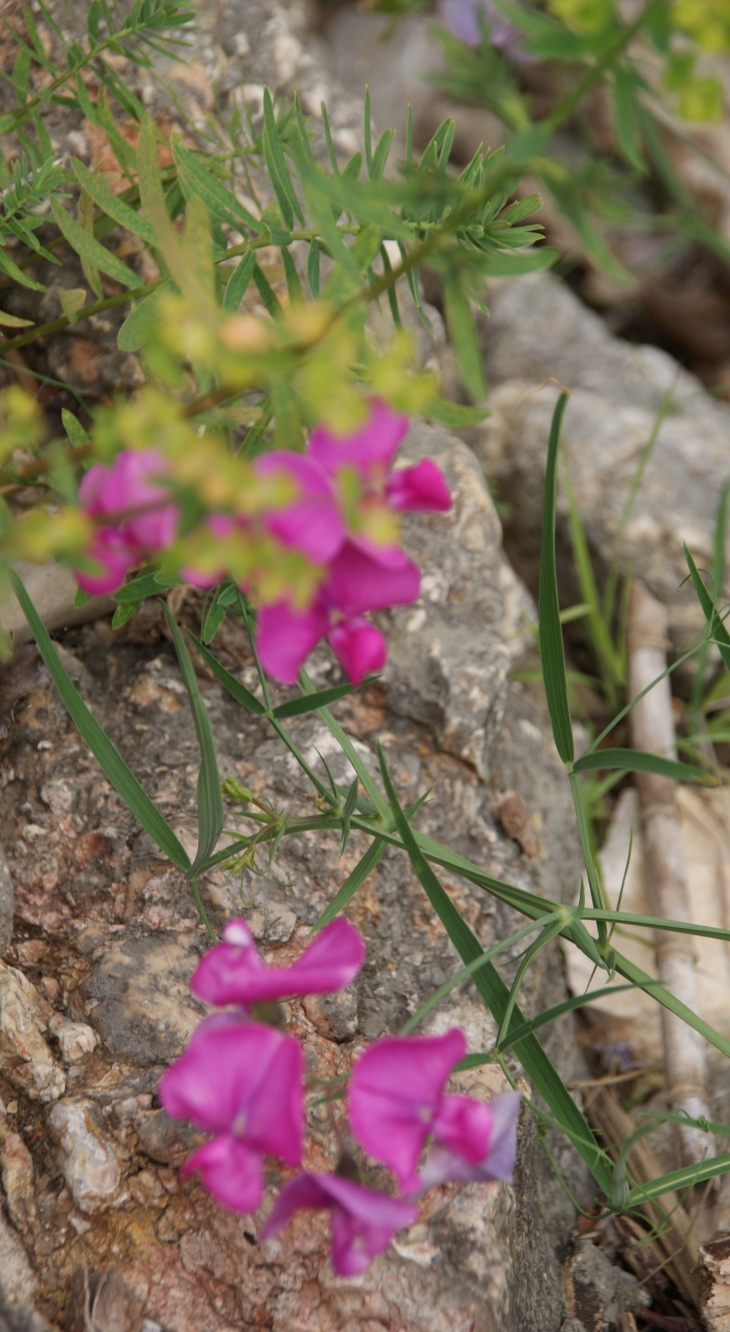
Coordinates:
107	756
550	633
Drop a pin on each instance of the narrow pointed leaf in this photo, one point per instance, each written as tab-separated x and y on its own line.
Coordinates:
196	179
235	688
210	800
238	283
91	249
107	756
354	880
636	760
294	707
111	204
550	631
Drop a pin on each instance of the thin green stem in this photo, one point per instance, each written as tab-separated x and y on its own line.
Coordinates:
594	881
202	911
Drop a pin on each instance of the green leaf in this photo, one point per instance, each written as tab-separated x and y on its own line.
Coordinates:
123	612
678	1180
625	87
309	702
657	991
637	760
8	266
460	321
313	268
196	179
72	301
74	429
550	633
214	618
14	321
112	204
91	249
109	759
146	585
277	167
495	994
346	745
237	284
210	801
293	284
269	298
718	632
455	414
142	320
235	688
515	263
354	880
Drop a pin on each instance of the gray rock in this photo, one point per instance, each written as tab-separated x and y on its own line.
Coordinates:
601	1291
87	1156
140	998
538	329
7	901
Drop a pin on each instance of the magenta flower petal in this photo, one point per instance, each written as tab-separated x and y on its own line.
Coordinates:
312	523
374	444
360	647
396	1090
244	1080
417	488
444	1165
232	972
463	1125
116	558
230	1171
133	489
358	582
285	637
221	525
363	1221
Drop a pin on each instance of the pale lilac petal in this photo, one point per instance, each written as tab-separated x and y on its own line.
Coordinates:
396	1090
418	488
241	1079
359	583
374	444
116	558
285	637
312	522
444	1165
360	648
363	1221
464	1126
229	1171
234	973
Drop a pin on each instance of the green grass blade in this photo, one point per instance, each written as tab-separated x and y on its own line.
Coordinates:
678	1180
107	756
638	921
210	800
354	880
495	994
550	633
658	991
347	746
636	760
235	688
718	632
309	702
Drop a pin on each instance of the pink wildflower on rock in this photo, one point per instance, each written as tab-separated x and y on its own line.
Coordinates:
233	971
363	1221
396	1100
443	1164
115	557
242	1082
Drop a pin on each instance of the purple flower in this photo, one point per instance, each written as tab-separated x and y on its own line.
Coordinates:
363	577
462	18
242	1082
116	491
311	522
233	971
373	444
444	1165
115	556
363	1222
396	1101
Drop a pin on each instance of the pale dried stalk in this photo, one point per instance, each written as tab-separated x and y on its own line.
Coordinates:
674	1243
652	729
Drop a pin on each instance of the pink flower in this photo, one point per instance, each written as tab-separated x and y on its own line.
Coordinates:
242	1082
362	578
233	971
118	490
221	525
421	487
363	1222
396	1101
373	444
311	522
443	1164
116	557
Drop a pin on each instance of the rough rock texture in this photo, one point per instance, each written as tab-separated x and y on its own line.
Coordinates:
106	936
538	330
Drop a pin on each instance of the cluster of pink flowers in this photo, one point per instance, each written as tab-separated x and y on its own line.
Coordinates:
243	1081
342	519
